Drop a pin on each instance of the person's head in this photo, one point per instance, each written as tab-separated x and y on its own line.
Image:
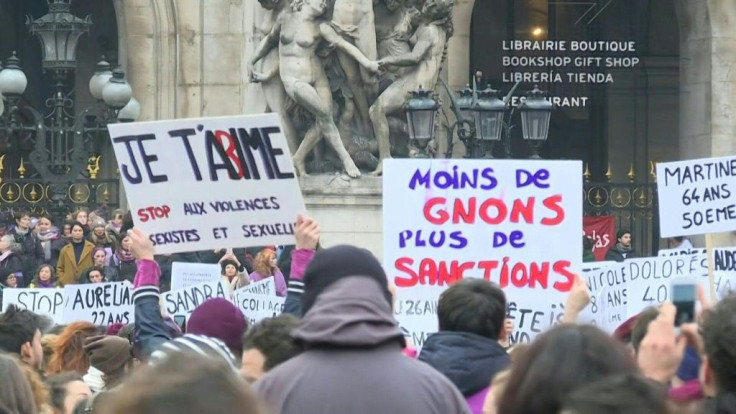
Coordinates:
229	268
44	224
265	262
38	388
111	355
339	262
618	394
474	306
557	363
22	220
81	216
67	230
69	354
9	281
183	384
218	318
45	274
125	242
641	325
67	389
437	9
8	243
77	232
20	333
267	344
624	237
719	330
99	256
16	395
98	229
48	341
117	218
95	275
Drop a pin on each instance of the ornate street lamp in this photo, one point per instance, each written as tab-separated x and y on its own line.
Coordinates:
420	112
535	116
489	114
63	143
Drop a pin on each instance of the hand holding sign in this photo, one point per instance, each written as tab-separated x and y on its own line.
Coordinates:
307	233
140	245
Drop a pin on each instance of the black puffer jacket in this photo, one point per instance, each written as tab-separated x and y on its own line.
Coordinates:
470	361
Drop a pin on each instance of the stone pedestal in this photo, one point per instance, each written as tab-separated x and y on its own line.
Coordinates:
348	211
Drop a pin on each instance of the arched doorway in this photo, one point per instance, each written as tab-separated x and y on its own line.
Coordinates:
612	67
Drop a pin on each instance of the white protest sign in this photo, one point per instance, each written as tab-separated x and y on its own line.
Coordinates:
608	296
200	184
510	222
680	252
697	196
189	274
49	302
262	287
184	301
100	303
257	307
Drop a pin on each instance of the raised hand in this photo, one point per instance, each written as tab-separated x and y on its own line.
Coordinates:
307	233
140	245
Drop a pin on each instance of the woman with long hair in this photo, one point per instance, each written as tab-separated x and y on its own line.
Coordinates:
69	353
233	273
51	241
66	390
123	260
100	259
11	267
44	277
75	257
16	395
265	266
82	217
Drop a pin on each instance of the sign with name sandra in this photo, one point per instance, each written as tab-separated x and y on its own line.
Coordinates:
184	301
262	287
257	307
48	302
697	196
199	184
509	222
100	303
189	274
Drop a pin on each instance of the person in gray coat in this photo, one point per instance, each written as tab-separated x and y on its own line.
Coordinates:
352	360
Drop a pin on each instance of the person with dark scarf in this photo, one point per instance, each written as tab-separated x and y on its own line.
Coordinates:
10	263
99	235
31	253
124	261
622	250
44	278
51	240
75	257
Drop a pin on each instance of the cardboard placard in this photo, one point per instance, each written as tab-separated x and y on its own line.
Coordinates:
257	307
207	183
182	302
185	274
48	302
100	303
510	222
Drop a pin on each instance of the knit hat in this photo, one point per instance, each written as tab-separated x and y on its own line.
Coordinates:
219	318
335	263
114	329
107	353
195	344
98	223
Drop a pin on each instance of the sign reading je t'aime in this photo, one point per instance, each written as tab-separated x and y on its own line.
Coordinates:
198	184
697	196
515	223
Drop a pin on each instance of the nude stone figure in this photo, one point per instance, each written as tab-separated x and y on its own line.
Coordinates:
393	30
297	32
273	88
423	63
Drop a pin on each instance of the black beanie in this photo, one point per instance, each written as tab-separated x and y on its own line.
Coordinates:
335	263
224	263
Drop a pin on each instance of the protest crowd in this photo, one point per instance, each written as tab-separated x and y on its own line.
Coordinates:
336	347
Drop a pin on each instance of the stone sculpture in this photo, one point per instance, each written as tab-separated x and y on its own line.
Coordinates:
344	74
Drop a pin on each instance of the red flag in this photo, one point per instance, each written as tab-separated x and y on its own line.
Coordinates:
602	231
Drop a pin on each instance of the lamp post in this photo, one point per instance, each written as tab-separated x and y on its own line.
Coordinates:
63	141
536	113
420	111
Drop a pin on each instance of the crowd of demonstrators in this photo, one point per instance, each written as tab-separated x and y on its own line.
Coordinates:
337	347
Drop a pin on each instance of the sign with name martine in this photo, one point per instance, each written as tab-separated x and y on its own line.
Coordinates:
509	222
209	183
697	196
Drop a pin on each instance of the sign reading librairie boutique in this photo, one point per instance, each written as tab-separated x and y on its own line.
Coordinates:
565	62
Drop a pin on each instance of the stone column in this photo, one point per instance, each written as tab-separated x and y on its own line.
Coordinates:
707	82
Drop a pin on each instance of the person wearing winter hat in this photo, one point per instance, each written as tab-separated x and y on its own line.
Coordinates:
196	345
352	348
98	236
233	273
219	318
151	331
109	355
